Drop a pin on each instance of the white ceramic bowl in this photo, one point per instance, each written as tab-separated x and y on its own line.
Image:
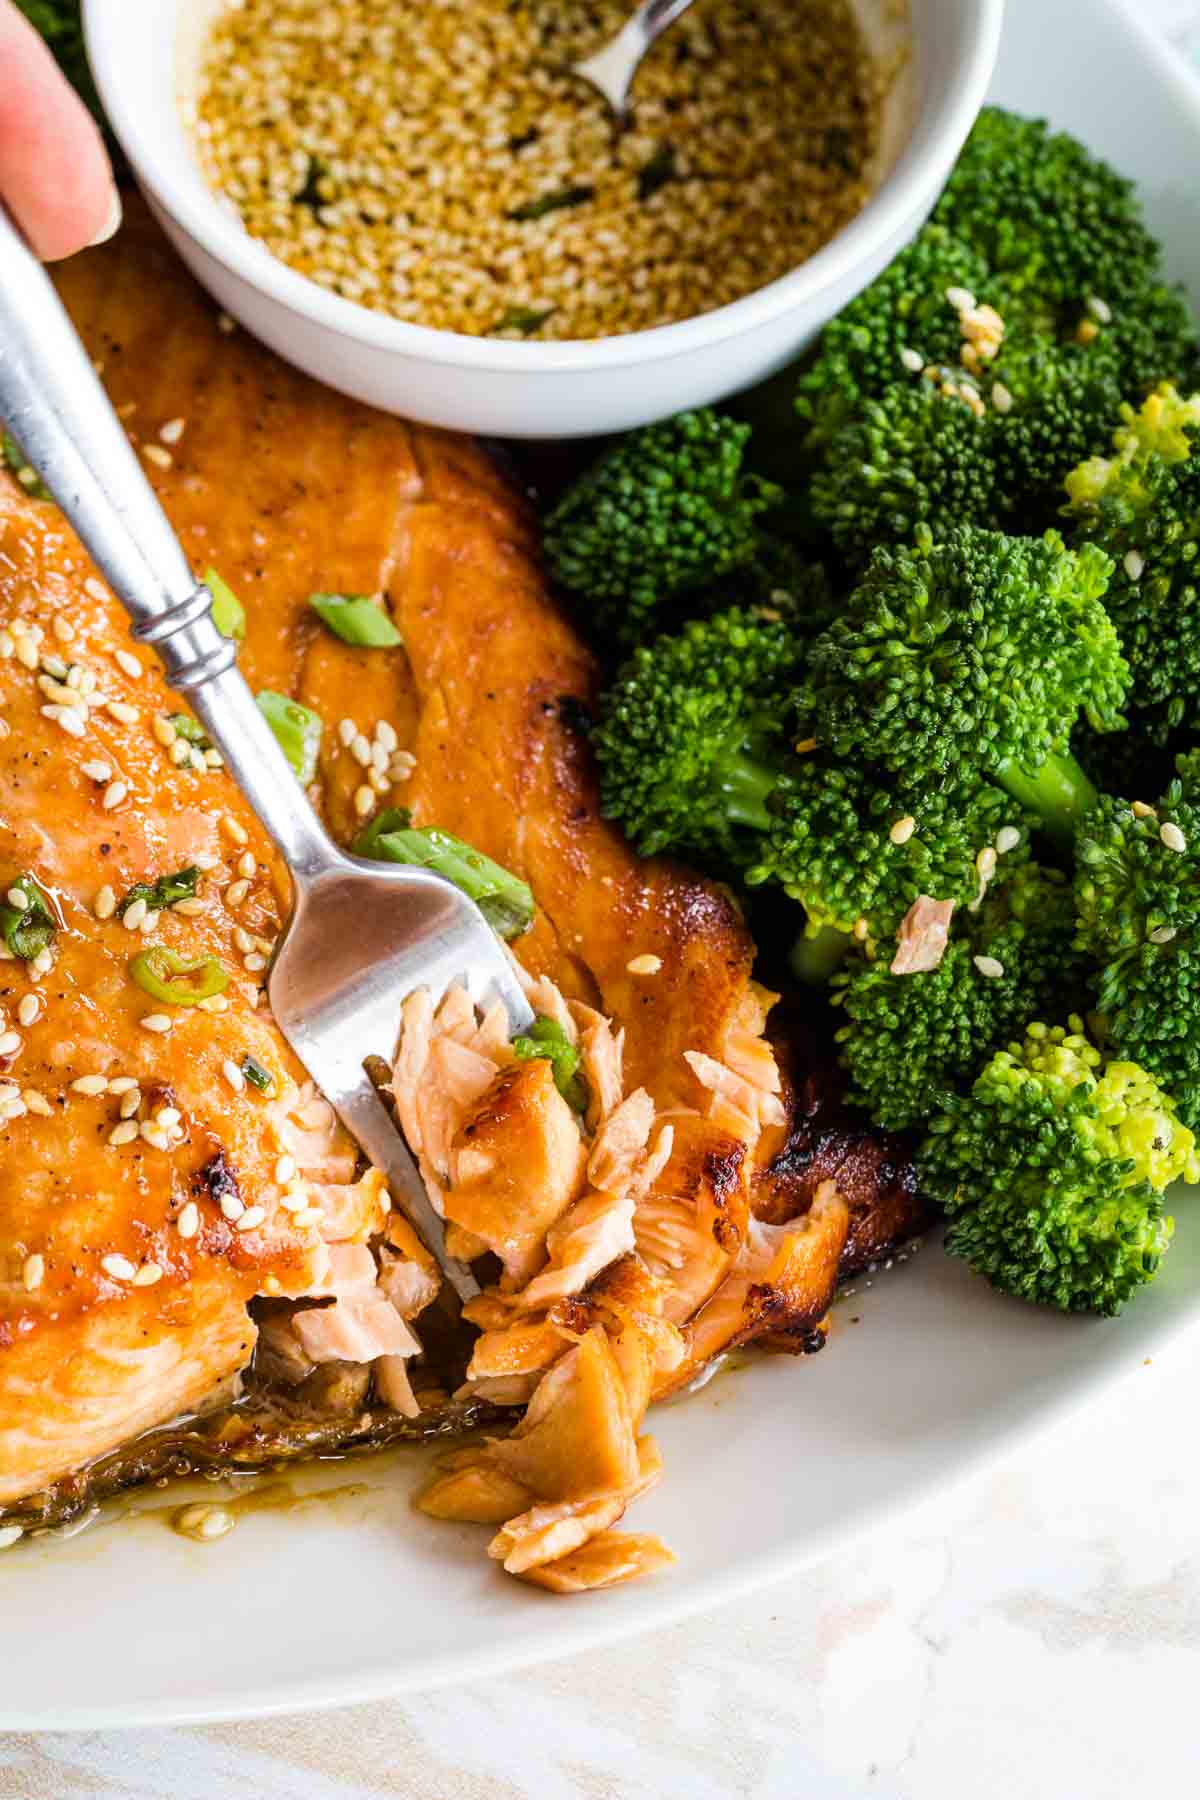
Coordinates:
144	54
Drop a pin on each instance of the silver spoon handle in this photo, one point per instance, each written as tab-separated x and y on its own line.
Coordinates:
615	64
53	403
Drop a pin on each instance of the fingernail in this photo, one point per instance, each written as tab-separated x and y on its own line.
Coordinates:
111	222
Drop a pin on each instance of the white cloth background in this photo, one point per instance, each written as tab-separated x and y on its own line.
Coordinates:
1038	1636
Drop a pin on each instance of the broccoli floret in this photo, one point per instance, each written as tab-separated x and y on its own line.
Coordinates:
1053	1169
1054	221
665	513
691	735
911	1041
1137	894
857	854
899	325
1141	505
976	654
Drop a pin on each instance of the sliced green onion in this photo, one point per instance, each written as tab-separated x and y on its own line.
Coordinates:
548	203
256	1075
26	927
190	730
19	463
229	615
392	818
297	730
178	980
546	1038
356	620
525	319
164	892
504	900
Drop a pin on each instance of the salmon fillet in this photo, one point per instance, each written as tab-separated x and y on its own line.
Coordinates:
288	489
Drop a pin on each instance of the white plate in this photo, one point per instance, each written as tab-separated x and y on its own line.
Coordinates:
768	1469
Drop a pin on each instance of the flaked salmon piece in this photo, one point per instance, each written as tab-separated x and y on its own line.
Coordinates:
474	1491
358	1328
748	1103
456	1016
628	1296
602	1052
784	1277
528	1346
577	1436
412	1054
690	1226
745	1049
593	1232
620	1143
411	1286
455	1080
351	1211
516	1164
491	1038
310	1133
546	1532
546	999
605	1561
394	1387
501	1390
350	1269
922	936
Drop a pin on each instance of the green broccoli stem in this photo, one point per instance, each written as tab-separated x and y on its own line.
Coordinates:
1059	792
817	955
746	785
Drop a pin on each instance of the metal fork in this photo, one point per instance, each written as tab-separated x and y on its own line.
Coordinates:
611	69
361	935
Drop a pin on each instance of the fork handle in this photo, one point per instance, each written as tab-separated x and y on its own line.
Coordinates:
53	403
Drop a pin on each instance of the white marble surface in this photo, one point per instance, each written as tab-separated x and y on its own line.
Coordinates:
1037	1635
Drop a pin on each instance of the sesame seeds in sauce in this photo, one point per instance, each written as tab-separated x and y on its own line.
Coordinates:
450	172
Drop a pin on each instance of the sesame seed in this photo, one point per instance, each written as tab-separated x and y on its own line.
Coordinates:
237	832
990	966
163	730
158	1022
188	1223
402	764
1007	838
252	1218
1172	837
1002	400
360	750
903	829
90	1084
364	801
378	780
119	1267
130	1103
10	1043
233	1075
128	663
247	865
1140	810
1133	564
105	903
63	629
985	862
149	923
154	1135
216	1003
206	861
912	360
236	892
97	771
197	759
66	718
1099	309
294	1202
114	794
213	759
192	908
33	1273
961	299
311	1215
1162	934
168	1117
134	913
225	325
385	734
95	588
36	1103
124	1133
861	929
17	897
180	752
242	940
42	963
347	732
1087	331
28	1009
122	1084
148	1275
162	459
231	1207
10	1535
122	712
285	1168
644	965
205	1522
26	652
172	431
255	962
